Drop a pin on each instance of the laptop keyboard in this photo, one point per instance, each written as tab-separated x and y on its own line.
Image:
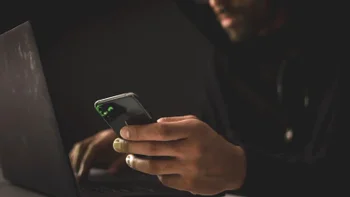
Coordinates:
128	184
135	186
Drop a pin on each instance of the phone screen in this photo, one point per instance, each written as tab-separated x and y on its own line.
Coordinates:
121	110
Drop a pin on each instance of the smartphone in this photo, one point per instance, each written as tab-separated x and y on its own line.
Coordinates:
121	110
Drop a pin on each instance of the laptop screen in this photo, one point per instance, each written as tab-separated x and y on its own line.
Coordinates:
30	146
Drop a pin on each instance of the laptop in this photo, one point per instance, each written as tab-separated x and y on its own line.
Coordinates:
31	149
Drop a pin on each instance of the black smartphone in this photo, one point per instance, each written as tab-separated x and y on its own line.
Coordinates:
124	109
121	110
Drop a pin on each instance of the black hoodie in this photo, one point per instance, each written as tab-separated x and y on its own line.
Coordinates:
288	131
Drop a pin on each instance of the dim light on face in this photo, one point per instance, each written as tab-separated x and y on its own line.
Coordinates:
242	19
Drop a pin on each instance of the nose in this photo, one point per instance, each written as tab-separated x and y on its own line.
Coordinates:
212	3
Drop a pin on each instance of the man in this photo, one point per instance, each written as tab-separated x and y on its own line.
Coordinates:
269	126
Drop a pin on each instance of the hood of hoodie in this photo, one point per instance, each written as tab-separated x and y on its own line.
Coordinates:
304	30
202	16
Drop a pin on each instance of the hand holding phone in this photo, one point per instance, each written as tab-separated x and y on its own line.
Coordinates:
121	110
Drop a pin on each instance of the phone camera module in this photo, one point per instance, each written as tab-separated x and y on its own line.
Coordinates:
110	111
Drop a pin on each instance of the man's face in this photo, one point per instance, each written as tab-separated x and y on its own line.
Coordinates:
241	19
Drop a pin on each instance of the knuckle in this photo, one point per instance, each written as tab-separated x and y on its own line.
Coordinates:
154	168
152	148
196	126
77	146
192	117
76	149
163	180
179	148
166	181
162	131
179	152
196	123
134	132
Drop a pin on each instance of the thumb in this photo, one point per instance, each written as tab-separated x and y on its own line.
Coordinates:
176	118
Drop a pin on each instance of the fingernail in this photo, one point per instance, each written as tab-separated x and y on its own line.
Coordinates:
124	132
128	160
118	145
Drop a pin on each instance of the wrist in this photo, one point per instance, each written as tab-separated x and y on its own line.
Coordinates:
238	166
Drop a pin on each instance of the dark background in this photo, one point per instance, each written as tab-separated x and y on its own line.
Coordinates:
91	51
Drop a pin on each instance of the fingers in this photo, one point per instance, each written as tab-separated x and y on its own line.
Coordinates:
85	154
147	148
176	118
77	153
153	166
74	155
87	160
162	131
